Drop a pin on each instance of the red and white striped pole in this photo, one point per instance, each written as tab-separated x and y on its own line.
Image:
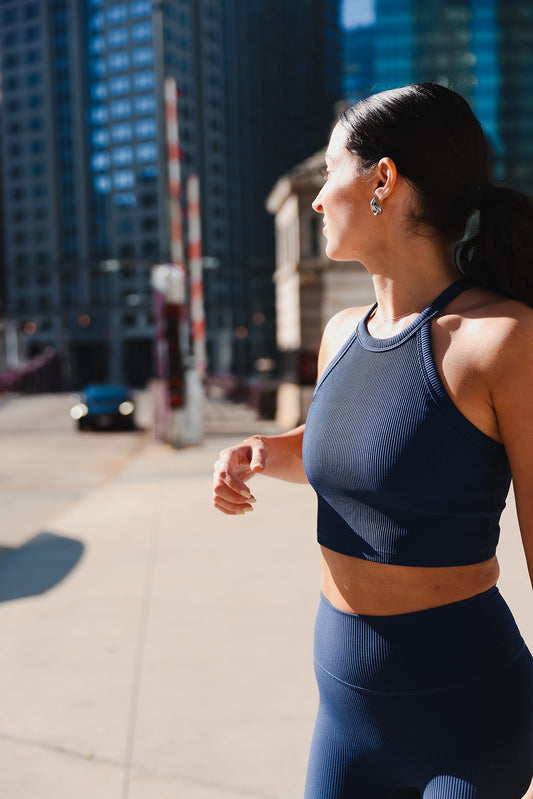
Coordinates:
174	172
175	308
195	274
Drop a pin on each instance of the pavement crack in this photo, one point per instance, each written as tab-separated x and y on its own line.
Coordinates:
87	755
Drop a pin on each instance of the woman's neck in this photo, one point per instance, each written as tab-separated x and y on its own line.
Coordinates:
408	279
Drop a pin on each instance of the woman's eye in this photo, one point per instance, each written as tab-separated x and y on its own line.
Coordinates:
325	173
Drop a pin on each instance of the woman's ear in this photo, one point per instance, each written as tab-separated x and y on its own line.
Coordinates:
385	178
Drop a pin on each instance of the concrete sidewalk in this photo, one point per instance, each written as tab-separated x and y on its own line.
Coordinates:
175	659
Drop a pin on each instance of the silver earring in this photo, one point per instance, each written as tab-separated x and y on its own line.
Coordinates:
375	206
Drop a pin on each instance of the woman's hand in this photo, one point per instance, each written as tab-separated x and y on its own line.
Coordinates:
235	466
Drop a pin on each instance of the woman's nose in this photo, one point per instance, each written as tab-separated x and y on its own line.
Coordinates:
316	205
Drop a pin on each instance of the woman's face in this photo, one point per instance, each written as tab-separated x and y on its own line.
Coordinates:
344	201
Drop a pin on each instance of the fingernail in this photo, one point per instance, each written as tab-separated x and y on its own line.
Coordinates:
247	510
252	499
246	494
238	513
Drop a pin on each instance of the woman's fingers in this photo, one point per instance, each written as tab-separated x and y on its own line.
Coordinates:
231	494
231	508
226	478
223	492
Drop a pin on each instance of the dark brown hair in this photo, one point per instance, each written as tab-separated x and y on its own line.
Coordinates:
439	146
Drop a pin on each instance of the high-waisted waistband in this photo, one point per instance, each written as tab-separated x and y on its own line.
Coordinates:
428	650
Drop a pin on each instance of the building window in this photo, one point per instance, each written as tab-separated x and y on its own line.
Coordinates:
32	34
142	32
38	169
120	109
141	8
99	114
145	129
124	179
142	56
99	67
150	247
100	161
99	91
97	21
143	80
148	173
102	184
145	104
146	153
97	45
122	156
11	61
31	11
117	14
100	137
119	61
125	199
118	37
149	223
121	132
10	16
120	85
148	200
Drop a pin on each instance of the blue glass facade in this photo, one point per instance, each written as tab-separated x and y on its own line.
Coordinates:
481	48
83	138
123	128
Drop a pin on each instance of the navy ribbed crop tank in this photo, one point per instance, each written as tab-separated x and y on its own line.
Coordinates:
401	475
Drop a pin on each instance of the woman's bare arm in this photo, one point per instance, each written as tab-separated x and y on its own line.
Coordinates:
512	393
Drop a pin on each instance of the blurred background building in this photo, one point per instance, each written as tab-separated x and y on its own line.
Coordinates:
84	168
481	48
83	157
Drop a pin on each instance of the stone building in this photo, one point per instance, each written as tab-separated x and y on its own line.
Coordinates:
310	288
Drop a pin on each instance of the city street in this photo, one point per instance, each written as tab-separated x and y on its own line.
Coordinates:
152	648
47	463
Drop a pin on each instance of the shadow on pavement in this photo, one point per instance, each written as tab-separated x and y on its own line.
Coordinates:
38	565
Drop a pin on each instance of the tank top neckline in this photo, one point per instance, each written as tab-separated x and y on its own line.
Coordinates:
369	342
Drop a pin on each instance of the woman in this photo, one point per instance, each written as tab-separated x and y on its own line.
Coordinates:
422	412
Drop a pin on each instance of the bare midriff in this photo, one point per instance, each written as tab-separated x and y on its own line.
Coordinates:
381	589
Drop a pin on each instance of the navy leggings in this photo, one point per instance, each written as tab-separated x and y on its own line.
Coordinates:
430	705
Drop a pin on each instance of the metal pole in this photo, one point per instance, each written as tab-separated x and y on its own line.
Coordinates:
195	274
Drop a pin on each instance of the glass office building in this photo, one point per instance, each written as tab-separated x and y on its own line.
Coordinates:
84	173
481	48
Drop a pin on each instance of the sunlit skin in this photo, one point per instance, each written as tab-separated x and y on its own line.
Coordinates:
482	348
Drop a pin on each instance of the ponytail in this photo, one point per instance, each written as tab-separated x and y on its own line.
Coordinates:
499	253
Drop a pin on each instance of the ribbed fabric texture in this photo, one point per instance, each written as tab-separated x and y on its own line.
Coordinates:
401	475
430	705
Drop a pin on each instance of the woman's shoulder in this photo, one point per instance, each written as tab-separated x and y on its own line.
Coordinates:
492	326
337	332
344	322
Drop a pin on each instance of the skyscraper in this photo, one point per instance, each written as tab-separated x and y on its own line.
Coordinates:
481	48
85	172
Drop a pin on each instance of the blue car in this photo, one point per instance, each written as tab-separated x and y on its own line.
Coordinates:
104	407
